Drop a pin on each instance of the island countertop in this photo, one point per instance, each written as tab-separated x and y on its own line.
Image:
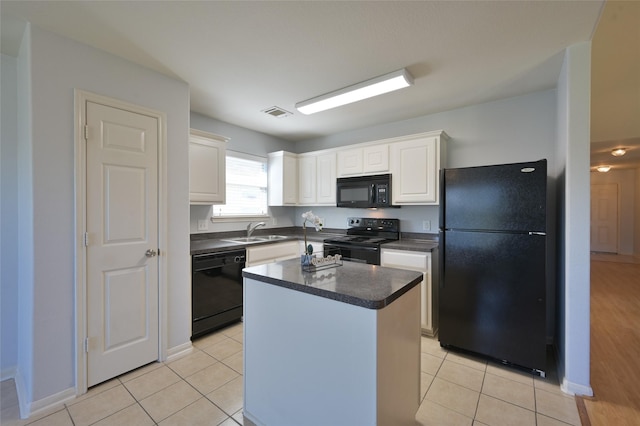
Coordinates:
368	286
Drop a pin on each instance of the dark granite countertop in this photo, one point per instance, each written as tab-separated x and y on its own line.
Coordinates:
412	245
368	286
211	243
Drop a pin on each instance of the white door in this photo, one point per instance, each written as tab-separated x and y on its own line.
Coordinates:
604	217
122	231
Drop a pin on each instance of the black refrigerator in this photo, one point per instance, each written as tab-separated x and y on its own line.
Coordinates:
493	262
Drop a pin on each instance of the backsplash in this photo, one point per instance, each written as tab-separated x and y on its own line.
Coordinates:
413	219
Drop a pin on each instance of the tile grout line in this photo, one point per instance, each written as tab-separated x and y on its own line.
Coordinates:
203	395
535	400
137	402
484	376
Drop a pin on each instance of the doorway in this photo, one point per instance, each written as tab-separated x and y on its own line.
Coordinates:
604	218
119	210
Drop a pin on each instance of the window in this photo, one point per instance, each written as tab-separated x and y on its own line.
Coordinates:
246	177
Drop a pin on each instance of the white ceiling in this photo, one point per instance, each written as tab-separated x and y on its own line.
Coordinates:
241	57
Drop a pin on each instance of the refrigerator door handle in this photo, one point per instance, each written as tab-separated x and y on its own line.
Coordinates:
441	270
443	200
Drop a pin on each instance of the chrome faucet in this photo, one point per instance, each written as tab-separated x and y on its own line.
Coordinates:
251	227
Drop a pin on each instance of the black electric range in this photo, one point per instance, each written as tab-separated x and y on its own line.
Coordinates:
363	240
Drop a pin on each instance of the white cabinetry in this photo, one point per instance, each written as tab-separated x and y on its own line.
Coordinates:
282	178
318	247
349	162
307	179
421	262
206	168
375	159
326	178
310	178
365	160
317	178
267	253
415	164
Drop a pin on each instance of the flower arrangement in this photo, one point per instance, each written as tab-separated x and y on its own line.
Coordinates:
317	223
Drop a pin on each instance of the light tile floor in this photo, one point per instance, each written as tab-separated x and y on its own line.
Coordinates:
205	388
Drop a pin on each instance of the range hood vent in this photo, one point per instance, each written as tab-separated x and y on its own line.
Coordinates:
277	112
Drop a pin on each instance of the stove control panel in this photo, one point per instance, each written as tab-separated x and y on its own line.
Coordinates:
374	223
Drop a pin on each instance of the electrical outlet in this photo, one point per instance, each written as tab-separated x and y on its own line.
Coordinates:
426	225
202	225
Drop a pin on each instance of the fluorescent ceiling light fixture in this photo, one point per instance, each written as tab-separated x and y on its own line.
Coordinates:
603	169
619	152
367	89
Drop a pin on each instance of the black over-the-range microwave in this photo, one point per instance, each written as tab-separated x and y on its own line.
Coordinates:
364	191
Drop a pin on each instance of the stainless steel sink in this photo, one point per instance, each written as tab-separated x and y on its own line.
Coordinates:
271	237
243	240
255	239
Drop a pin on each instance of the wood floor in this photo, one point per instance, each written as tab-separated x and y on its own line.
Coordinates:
615	341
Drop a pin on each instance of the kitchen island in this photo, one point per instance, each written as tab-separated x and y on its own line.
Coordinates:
338	346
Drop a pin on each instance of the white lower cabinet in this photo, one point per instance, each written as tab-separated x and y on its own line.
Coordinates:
421	262
267	253
317	247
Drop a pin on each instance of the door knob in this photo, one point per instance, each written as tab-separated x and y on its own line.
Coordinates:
150	253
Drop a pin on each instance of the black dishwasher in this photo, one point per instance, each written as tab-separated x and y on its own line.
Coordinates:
216	290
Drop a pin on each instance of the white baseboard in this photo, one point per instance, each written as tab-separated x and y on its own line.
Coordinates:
178	351
50	402
28	409
8	373
575	388
21	391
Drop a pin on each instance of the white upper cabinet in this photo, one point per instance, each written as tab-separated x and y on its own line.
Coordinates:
364	160
375	159
349	162
282	171
307	179
207	172
415	165
317	178
414	162
326	178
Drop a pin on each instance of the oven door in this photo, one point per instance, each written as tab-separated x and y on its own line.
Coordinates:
354	253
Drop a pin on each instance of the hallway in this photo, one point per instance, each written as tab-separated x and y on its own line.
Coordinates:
615	340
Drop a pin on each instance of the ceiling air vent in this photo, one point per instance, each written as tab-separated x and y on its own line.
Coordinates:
277	112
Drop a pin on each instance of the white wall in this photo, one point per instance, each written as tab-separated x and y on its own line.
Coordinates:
53	67
25	242
242	139
628	216
505	131
573	219
9	214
